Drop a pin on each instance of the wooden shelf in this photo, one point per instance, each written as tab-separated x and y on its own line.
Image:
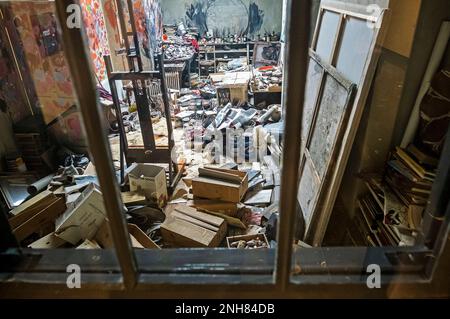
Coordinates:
230	51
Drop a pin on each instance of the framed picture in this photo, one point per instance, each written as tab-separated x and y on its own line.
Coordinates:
265	54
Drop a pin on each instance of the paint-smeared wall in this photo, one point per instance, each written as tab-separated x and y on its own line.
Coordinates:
223	17
37	47
11	86
36	26
148	18
94	23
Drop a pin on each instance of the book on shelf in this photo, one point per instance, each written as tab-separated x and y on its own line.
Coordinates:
392	210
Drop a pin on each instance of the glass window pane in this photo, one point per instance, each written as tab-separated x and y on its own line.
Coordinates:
354	48
314	76
331	113
49	184
327	35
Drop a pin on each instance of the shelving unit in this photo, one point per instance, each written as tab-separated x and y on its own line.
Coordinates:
216	52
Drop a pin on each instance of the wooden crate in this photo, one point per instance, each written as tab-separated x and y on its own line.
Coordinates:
263	99
187	227
227	95
220	184
233	239
232	87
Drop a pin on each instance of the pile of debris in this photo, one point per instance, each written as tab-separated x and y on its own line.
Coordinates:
180	48
74	215
176	52
222	207
264	78
235	65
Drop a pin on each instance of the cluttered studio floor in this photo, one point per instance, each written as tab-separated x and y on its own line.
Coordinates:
197	151
194	114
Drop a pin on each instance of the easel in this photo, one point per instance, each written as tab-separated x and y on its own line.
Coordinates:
149	153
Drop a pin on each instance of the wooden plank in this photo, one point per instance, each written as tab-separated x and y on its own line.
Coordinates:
141	240
226	208
211	220
232	221
347	84
34	224
32	206
204	172
228	171
262	197
217	190
194	221
184	234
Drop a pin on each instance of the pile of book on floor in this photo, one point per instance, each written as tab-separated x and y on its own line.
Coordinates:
391	213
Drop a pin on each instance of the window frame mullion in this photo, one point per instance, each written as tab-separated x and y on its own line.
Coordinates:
74	40
297	30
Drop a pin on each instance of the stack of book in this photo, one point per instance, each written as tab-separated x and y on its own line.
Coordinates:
411	181
392	212
373	222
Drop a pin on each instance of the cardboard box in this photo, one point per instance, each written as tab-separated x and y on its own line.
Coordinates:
220	184
149	180
84	218
89	244
187	227
133	199
48	242
103	236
